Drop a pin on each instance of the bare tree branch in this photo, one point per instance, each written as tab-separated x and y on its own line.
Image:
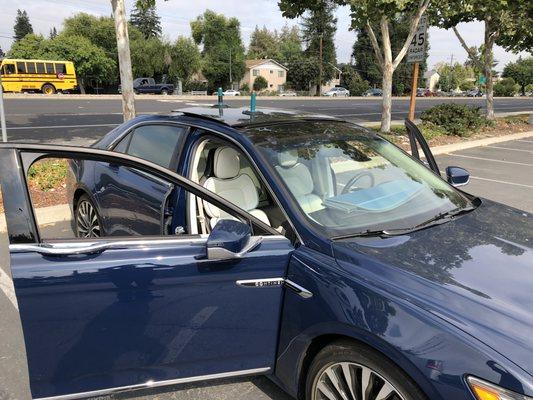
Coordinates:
473	56
375	44
385	39
423	5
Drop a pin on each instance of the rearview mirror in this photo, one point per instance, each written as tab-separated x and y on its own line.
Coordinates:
230	239
457	176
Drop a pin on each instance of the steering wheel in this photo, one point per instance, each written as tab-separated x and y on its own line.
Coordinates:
352	181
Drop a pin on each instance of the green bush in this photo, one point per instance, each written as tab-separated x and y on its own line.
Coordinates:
455	119
245	88
260	83
506	88
467	85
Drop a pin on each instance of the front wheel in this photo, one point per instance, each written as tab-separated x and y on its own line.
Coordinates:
48	89
351	371
164	92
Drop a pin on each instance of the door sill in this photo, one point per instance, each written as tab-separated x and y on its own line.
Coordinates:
157	384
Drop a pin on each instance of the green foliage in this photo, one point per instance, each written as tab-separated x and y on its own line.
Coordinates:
264	44
302	73
290	43
351	80
28	47
453	76
53	33
456	119
260	83
507	87
467	85
245	88
148	57
22	25
185	59
48	174
521	71
317	23
146	20
220	37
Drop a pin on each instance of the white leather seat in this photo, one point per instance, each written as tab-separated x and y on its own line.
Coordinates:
233	186
299	181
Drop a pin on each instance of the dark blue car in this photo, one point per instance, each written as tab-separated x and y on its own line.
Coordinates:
214	243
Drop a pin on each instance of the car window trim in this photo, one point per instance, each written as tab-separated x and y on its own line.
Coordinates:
24	151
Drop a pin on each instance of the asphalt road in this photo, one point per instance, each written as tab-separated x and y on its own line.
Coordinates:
67	120
502	172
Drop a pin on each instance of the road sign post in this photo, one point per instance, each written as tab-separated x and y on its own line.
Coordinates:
2	113
415	55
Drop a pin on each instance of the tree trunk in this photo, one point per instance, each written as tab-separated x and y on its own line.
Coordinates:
387	98
489	87
490	37
124	59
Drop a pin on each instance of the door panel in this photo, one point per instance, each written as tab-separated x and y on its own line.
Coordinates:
127	316
144	309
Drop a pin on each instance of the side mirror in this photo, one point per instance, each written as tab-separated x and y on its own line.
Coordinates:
457	176
230	239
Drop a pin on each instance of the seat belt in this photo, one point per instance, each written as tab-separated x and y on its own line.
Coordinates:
201	216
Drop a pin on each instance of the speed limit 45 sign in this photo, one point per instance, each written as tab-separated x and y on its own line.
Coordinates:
417	48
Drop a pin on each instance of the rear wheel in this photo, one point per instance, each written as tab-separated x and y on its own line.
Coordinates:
350	371
164	92
87	219
48	89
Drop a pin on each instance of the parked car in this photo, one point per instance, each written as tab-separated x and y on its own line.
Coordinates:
297	246
373	92
288	93
474	93
337	92
148	86
232	92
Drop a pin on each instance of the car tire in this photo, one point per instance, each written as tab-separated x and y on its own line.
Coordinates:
331	369
87	222
48	89
164	92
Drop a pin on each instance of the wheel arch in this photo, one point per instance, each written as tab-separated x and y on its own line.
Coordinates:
48	83
319	342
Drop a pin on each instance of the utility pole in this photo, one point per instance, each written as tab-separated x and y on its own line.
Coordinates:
414	89
230	76
2	113
321	66
124	59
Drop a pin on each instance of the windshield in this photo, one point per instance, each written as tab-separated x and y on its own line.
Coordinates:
347	180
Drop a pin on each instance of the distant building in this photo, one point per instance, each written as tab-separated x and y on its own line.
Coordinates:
335	81
274	73
432	79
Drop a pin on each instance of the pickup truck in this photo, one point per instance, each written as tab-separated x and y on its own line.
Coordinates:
148	85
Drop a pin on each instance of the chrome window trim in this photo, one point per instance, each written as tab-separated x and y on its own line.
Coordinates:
274	282
156	384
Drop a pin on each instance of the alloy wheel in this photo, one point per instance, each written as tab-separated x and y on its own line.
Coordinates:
87	223
351	381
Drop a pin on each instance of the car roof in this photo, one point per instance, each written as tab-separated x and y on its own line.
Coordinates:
242	117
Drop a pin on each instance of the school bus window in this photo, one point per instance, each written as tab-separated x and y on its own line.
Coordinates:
40	68
61	69
50	68
8	69
21	67
31	67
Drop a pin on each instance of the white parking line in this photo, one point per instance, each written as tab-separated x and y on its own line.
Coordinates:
508	148
504	182
6	285
21	128
490	159
525	141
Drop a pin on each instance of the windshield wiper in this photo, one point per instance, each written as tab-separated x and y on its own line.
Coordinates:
436	220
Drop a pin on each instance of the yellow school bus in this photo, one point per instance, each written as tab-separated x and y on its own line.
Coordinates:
45	76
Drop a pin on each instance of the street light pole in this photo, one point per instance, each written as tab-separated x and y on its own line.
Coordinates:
230	76
2	113
321	67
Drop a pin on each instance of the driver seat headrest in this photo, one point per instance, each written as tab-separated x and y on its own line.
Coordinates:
226	163
288	158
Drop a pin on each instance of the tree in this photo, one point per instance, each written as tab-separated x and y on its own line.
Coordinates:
366	63
223	51
31	46
302	72
507	22
318	33
22	25
148	57
2	54
185	59
521	71
454	76
264	44
53	33
507	87
290	43
352	80
260	83
146	20
364	15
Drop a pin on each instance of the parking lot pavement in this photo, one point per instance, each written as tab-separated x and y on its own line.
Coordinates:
501	172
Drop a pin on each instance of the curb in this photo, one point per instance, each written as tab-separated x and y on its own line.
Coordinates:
449	148
45	216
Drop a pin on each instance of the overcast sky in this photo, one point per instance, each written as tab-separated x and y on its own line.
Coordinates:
176	14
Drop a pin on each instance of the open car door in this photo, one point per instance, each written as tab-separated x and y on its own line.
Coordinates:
106	314
416	140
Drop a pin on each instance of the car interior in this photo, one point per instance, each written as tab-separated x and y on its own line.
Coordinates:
226	171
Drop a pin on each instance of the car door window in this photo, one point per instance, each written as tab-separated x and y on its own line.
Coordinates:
155	143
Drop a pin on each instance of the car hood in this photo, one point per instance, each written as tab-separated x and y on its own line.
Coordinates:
475	272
